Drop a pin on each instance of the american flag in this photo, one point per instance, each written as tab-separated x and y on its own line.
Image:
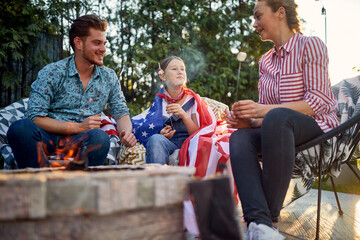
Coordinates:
206	150
150	123
108	124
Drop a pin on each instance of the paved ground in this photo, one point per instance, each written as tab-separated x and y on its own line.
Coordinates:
298	220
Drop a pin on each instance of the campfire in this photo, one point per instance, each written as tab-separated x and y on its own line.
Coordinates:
69	153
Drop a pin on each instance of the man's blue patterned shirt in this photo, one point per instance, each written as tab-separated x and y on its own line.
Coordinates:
58	93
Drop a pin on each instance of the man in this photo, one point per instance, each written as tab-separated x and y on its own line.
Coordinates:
67	99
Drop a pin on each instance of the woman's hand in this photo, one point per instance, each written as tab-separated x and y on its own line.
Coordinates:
167	132
248	109
176	110
235	122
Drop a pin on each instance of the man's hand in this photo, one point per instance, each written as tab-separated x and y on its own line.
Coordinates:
92	122
167	132
127	138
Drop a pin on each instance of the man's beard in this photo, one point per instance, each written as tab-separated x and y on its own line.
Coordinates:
90	56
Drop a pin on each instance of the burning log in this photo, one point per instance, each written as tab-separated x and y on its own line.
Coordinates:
69	153
42	157
80	162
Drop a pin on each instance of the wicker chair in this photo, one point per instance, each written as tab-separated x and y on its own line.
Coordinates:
325	155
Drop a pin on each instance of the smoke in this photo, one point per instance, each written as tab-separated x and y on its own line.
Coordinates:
194	60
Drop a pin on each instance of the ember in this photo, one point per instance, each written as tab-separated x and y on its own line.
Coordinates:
68	153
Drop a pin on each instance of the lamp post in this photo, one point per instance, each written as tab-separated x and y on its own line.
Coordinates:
323	12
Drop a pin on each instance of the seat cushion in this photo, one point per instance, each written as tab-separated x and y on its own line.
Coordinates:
217	107
8	115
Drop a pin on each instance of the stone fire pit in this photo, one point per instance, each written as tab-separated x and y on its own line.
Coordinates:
122	202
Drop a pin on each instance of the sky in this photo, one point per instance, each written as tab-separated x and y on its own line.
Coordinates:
343	33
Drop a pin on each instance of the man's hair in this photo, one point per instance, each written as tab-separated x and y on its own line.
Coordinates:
81	27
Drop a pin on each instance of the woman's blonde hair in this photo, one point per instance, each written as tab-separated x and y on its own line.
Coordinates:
290	6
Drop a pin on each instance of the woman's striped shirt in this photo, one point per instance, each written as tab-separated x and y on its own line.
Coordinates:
299	72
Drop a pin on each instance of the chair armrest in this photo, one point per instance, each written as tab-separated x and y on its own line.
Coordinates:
336	132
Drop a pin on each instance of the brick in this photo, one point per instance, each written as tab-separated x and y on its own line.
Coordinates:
145	192
170	189
70	196
37	200
125	197
146	223
160	191
104	203
22	197
124	194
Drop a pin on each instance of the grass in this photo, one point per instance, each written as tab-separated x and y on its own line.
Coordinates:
343	188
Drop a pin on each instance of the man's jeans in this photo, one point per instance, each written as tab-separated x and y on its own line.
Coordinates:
262	191
24	136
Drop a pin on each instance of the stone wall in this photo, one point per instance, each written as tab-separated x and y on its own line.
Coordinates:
125	203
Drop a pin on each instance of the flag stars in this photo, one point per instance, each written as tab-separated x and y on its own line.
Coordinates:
144	134
151	126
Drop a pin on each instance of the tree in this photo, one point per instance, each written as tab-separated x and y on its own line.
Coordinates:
17	33
32	34
206	34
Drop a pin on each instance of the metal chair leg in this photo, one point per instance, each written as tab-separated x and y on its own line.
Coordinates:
353	170
336	196
318	203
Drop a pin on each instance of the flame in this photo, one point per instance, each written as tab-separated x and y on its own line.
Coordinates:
68	150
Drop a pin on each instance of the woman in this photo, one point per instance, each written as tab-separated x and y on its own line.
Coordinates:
295	105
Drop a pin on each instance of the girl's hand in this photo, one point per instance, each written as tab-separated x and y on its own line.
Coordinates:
176	110
167	132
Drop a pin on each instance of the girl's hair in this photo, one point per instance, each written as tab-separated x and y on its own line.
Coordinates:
290	6
164	63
